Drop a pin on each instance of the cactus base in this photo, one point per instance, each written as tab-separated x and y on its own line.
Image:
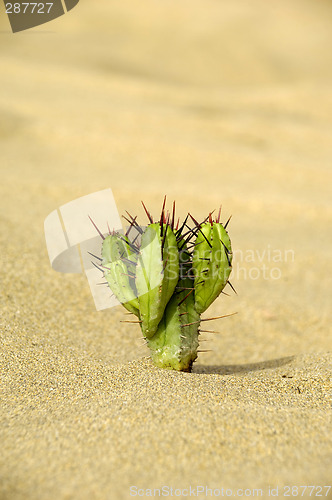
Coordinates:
179	356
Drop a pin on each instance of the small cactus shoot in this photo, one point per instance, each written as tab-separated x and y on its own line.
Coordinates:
168	276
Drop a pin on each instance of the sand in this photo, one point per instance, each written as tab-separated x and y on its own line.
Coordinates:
209	103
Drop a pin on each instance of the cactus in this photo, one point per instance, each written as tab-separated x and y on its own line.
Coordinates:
168	279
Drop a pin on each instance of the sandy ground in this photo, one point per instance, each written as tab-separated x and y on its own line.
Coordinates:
208	102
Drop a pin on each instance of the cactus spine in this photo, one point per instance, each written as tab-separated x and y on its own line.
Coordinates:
168	280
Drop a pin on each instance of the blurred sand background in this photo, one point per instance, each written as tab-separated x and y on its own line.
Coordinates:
208	102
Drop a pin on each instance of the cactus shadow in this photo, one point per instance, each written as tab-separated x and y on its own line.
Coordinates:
243	368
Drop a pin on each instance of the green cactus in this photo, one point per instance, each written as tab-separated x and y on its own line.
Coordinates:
212	263
119	262
157	274
168	280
